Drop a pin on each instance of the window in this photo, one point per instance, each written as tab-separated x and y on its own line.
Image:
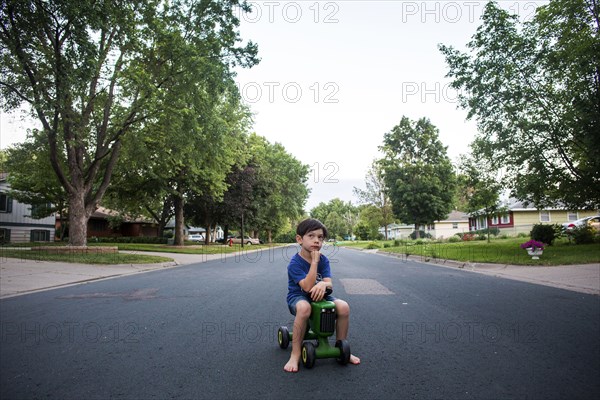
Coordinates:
39	236
482	223
4	236
98	225
5	203
572	216
544	216
495	220
455	225
505	219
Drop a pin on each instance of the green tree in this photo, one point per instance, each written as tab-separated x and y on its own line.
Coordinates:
370	219
336	226
283	179
482	189
95	72
534	90
376	194
344	215
418	173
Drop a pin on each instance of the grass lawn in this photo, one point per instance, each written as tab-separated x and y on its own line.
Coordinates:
114	258
189	248
500	251
120	258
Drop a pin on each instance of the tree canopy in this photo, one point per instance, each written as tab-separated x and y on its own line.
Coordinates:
95	72
534	90
376	195
418	173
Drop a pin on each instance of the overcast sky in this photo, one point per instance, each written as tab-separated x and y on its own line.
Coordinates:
335	76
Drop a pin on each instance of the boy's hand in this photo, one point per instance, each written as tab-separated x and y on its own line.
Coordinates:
316	256
318	291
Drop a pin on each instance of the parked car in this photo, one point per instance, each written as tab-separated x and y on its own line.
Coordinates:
593	221
247	240
195	237
224	240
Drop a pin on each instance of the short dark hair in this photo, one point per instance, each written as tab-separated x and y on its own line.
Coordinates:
309	225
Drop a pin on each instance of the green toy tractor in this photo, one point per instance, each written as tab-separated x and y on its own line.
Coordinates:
321	325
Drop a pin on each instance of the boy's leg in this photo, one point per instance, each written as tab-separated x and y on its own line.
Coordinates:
302	314
343	321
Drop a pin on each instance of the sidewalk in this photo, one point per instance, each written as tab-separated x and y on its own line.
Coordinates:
21	276
583	278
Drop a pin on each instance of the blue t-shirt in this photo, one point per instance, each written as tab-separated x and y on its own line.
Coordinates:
298	269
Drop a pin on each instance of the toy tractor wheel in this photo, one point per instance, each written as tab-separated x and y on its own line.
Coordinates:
283	337
308	354
344	347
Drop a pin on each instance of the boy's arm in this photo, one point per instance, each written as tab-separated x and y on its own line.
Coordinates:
309	281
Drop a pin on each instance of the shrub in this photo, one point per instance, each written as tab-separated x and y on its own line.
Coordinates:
583	234
467	237
130	239
493	231
454	239
397	243
545	233
422	235
372	246
387	245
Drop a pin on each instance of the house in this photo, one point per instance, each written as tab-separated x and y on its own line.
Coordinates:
99	225
397	231
16	223
456	222
520	218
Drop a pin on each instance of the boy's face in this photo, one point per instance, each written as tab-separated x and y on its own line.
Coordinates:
312	240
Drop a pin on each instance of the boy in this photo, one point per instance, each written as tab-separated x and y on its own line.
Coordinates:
309	276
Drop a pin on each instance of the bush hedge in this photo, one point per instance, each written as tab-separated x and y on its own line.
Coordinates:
422	235
129	239
545	233
583	234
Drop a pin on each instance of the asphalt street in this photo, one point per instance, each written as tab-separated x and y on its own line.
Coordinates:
209	331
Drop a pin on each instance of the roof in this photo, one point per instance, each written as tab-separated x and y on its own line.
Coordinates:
102	212
456	216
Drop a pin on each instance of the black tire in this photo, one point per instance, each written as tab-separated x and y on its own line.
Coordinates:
344	347
308	354
283	337
249	243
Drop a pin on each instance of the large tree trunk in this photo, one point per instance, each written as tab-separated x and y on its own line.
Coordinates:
207	228
417	233
178	202
78	219
270	236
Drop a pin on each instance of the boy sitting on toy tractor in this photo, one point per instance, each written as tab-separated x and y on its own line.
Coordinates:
309	277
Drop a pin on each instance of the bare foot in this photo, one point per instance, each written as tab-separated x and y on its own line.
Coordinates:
292	364
354	360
